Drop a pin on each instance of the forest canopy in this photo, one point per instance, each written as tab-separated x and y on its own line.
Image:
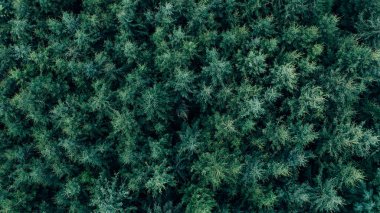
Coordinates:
193	106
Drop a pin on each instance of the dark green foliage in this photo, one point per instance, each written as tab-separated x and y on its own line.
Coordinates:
189	106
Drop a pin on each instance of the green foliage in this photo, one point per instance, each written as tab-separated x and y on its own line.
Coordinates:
108	195
199	200
216	168
189	106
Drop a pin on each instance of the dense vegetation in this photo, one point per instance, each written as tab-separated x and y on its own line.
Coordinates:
189	106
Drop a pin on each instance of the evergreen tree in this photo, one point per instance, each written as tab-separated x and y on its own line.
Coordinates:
190	106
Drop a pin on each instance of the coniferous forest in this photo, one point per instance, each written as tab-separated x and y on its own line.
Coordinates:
195	106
